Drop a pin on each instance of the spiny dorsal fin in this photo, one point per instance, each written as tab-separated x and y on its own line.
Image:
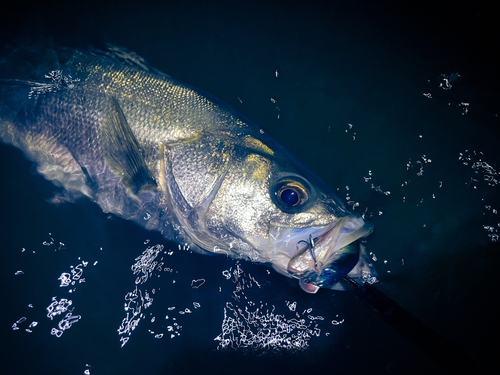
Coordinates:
121	151
125	56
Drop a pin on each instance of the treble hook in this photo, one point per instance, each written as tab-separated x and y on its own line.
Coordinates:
310	246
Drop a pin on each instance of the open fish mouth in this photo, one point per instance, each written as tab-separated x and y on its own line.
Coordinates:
322	261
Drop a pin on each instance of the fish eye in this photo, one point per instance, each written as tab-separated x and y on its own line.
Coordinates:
291	194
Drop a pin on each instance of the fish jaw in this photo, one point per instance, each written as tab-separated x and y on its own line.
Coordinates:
334	254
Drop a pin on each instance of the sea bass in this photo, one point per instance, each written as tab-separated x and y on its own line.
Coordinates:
104	124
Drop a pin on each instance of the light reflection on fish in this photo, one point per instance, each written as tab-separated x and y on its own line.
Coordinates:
106	125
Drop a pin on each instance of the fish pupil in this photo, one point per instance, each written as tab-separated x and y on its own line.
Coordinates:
289	197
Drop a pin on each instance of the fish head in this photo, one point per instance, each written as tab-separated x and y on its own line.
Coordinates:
248	198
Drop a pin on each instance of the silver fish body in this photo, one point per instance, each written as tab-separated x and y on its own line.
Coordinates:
105	125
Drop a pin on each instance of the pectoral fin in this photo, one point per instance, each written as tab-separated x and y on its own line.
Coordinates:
121	151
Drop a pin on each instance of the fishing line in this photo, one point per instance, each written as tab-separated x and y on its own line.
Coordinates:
450	357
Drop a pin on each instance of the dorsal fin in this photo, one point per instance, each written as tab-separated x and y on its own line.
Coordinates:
127	57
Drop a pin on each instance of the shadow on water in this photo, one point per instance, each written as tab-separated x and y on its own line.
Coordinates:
358	100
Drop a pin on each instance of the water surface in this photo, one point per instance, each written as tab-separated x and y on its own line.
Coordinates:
396	107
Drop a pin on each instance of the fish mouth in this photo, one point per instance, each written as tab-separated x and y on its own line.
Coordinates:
324	260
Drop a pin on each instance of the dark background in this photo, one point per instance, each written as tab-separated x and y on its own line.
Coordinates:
362	63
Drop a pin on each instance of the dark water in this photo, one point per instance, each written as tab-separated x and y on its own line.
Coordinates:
394	106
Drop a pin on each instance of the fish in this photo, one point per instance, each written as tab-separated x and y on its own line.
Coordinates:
105	125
